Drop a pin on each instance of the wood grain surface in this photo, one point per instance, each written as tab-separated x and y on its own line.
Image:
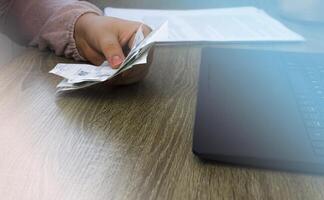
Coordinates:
131	142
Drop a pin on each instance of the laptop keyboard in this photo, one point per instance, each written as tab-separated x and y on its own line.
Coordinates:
307	80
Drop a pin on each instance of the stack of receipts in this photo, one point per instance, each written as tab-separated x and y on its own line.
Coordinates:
77	76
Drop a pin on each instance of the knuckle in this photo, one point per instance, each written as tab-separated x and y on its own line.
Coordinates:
110	45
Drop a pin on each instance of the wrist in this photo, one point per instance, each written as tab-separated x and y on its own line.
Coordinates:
81	29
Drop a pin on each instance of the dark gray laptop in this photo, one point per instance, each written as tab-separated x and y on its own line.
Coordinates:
261	108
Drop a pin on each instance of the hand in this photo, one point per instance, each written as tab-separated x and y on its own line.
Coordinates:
100	38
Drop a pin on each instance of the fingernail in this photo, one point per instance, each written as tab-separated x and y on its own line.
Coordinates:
116	60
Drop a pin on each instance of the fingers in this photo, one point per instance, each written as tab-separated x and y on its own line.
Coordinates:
146	31
94	57
113	51
112	44
137	71
130	77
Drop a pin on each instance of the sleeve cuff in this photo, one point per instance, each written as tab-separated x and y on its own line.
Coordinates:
72	44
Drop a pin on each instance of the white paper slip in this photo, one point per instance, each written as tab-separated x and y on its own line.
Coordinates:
226	24
77	73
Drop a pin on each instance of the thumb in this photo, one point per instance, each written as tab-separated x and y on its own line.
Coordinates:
113	52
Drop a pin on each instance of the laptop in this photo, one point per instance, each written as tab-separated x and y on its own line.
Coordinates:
261	108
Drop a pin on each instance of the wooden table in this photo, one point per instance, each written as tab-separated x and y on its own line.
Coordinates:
129	142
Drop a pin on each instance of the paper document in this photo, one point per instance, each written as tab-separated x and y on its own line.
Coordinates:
77	76
226	24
